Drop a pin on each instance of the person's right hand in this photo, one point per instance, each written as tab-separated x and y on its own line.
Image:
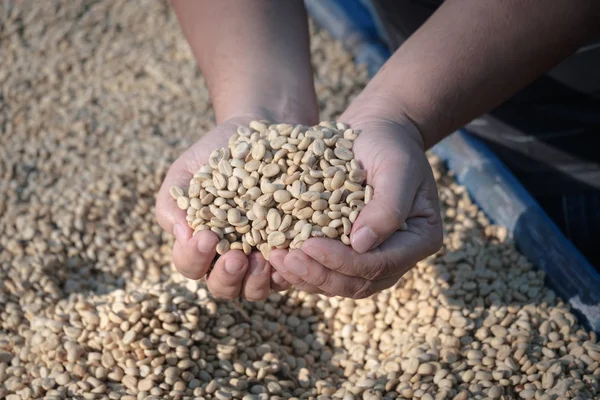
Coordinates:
234	274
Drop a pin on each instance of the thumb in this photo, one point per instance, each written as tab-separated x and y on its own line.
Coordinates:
395	187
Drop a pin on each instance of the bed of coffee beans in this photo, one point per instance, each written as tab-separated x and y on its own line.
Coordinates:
97	99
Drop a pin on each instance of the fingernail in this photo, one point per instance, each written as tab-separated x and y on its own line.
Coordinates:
206	245
315	253
277	278
258	268
295	265
179	232
233	265
363	239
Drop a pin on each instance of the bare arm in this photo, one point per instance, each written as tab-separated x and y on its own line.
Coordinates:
254	55
472	55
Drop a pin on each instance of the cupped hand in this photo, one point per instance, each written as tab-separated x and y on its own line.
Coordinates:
234	274
380	253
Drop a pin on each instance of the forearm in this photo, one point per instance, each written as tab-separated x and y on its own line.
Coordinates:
472	55
254	55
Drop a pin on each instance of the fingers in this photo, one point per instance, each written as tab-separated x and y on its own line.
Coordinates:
301	269
278	284
257	284
395	184
392	259
277	260
193	255
226	278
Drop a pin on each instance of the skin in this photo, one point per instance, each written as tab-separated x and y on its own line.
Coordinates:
467	58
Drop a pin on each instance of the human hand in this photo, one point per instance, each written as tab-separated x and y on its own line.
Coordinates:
234	274
404	192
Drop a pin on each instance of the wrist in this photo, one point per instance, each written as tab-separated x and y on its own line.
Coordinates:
256	111
286	103
375	111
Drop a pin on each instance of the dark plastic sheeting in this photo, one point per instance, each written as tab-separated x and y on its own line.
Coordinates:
491	185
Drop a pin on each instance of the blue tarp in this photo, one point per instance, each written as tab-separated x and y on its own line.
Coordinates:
489	182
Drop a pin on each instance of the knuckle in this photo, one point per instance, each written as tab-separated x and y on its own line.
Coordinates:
374	272
364	290
226	296
294	280
280	287
220	293
255	289
396	219
340	264
322	280
305	287
194	275
378	268
189	273
391	216
255	297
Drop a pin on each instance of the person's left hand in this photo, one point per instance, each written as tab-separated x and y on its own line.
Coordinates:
404	192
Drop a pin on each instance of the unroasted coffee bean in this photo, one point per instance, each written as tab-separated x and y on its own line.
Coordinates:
282	193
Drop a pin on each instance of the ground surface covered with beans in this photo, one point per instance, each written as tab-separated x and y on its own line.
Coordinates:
97	98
